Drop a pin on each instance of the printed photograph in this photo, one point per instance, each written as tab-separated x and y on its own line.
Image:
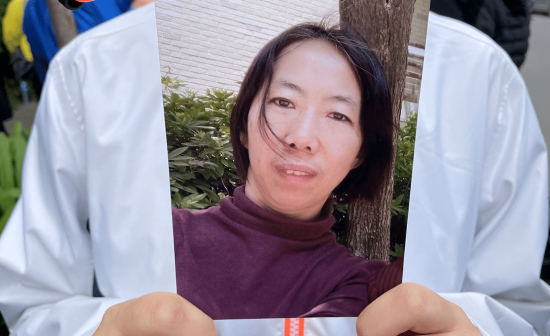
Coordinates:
292	167
307	199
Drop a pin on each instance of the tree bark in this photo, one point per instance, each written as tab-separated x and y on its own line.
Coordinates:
386	25
63	23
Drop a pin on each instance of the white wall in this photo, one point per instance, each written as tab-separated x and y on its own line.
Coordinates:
211	43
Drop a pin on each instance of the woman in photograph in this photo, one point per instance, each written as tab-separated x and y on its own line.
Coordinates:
312	122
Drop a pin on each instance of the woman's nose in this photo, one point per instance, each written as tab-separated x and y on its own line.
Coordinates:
302	133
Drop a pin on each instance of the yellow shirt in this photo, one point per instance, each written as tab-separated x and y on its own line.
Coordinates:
12	25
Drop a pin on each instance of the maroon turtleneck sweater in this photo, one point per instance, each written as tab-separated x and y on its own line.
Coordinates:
238	260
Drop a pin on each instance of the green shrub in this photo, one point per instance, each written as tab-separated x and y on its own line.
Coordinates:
200	154
12	151
402	176
403	167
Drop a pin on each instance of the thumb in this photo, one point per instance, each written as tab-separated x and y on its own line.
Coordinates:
412	307
157	314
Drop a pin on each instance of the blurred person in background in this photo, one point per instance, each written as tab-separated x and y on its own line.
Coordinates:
505	21
17	44
38	28
5	108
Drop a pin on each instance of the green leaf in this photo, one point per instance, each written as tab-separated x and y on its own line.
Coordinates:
189	189
4	218
19	145
9	195
343	208
7	180
17	130
176	152
399	251
398	200
192	200
179	164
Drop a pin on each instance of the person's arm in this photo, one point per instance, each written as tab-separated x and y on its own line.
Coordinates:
12	22
512	223
97	151
503	256
478	218
46	261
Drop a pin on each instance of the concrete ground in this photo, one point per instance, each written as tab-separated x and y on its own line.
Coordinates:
24	114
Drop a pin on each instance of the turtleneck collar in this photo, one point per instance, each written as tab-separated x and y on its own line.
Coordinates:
240	208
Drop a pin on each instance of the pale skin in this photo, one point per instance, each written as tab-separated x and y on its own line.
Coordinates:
139	3
313	105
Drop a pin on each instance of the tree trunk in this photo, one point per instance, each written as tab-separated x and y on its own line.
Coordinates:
386	25
63	23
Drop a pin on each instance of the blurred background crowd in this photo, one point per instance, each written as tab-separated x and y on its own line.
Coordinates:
30	41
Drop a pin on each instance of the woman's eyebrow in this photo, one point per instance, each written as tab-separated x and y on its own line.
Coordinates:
339	98
343	99
287	84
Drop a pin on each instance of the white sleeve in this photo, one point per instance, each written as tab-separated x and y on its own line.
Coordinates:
97	151
478	217
45	251
512	224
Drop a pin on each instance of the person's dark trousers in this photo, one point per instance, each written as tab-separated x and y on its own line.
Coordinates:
5	108
32	75
36	83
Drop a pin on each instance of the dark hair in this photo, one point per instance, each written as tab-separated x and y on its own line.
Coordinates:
376	111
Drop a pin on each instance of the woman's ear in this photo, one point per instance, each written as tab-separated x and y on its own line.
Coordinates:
244	139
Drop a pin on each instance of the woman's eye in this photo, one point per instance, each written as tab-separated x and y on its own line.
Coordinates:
339	116
282	102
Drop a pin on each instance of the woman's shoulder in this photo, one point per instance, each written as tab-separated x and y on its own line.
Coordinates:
181	215
379	275
334	259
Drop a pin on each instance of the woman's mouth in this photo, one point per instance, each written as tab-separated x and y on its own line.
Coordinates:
295	172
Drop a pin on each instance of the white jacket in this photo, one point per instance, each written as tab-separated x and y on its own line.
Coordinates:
478	217
98	150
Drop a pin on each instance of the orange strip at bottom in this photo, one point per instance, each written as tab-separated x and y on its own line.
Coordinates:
294	327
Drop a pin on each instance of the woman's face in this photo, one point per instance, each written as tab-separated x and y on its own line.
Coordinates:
313	105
